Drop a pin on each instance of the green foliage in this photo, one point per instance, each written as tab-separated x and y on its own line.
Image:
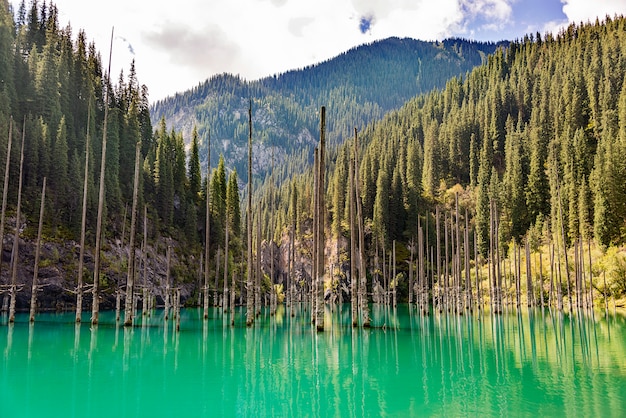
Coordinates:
285	106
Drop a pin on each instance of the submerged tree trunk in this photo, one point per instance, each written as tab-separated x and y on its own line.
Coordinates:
95	305
6	187
353	258
217	275
146	294
319	316
259	273
83	226
364	306
16	239
250	284
226	290
207	226
33	295
130	278
314	264
167	282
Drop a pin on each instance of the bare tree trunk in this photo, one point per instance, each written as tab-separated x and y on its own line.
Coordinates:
529	280
492	284
146	297
411	254
446	281
167	282
217	275
5	190
468	279
33	295
569	293
394	278
226	290
273	296
177	310
314	264
259	272
420	271
319	317
541	277
457	230
438	250
292	258
364	304
232	299
207	225
95	305
250	284
130	278
16	239
83	226
479	300
497	265
354	300
590	276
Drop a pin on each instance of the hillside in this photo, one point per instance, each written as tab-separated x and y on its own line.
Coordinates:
356	87
533	143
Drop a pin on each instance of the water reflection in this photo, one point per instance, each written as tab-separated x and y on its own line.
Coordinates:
407	364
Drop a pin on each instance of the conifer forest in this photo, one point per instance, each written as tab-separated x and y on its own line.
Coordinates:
495	179
410	228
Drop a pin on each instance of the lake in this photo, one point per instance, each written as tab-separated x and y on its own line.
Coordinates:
536	363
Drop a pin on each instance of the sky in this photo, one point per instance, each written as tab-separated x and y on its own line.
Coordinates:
178	44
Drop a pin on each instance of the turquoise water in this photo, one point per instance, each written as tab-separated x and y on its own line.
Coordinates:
532	364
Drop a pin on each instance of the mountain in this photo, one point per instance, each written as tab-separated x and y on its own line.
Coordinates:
539	132
357	87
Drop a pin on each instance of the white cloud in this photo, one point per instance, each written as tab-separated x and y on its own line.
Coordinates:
587	10
178	44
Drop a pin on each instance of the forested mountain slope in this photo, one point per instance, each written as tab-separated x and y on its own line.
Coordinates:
539	131
357	87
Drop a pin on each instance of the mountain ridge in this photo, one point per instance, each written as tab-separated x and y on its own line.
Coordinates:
357	87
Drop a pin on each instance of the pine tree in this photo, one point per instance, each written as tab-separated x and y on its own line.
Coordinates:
218	201
59	175
483	199
381	207
193	171
163	175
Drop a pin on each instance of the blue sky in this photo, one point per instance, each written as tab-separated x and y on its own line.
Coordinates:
177	44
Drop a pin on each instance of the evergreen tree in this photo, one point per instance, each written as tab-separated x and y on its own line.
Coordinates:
59	175
193	171
218	202
381	207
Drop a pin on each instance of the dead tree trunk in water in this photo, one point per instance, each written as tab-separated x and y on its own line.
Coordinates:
95	305
16	239
292	258
207	225
83	226
33	295
130	278
226	290
530	293
438	255
144	256
394	278
259	272
250	283
314	264
364	305
6	187
569	290
353	260
319	316
167	282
